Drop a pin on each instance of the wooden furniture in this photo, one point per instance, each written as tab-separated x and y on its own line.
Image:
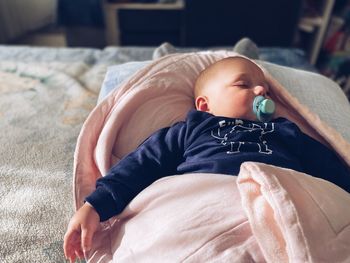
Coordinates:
317	27
202	23
113	32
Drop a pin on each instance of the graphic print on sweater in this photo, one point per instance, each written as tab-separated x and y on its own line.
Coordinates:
228	133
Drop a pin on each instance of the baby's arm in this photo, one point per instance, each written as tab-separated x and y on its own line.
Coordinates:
81	229
156	157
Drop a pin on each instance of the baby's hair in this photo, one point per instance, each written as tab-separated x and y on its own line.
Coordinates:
208	73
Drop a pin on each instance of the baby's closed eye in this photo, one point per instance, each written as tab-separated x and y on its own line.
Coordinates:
241	83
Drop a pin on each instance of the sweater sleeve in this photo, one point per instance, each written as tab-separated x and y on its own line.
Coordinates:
322	162
155	158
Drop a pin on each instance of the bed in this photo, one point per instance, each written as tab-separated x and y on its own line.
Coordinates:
46	95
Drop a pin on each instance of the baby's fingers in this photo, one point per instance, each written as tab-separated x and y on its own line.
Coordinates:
72	245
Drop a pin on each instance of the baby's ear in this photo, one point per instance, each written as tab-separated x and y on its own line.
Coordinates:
202	103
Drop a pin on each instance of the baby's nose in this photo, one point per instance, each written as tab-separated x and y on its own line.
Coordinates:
260	90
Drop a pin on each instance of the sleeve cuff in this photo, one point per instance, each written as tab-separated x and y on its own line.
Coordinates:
103	203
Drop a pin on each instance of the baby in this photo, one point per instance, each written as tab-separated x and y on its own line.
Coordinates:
235	121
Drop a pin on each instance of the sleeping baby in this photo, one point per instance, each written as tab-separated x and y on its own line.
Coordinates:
235	121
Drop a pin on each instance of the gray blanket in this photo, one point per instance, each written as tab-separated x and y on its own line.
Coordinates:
41	112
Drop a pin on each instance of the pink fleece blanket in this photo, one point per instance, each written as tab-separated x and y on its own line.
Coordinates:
265	214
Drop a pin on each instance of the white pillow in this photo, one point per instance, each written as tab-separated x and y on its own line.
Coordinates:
320	94
117	74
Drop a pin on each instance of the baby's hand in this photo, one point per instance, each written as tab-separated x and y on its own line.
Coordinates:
81	229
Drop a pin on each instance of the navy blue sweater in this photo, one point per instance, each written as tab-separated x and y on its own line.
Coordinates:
209	144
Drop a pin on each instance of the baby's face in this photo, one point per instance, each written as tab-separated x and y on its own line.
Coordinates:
231	88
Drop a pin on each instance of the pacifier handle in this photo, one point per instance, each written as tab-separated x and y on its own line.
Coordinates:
263	108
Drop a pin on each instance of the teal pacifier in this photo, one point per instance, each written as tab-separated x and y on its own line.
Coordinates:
263	108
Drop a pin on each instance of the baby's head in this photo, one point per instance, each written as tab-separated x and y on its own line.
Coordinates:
228	87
